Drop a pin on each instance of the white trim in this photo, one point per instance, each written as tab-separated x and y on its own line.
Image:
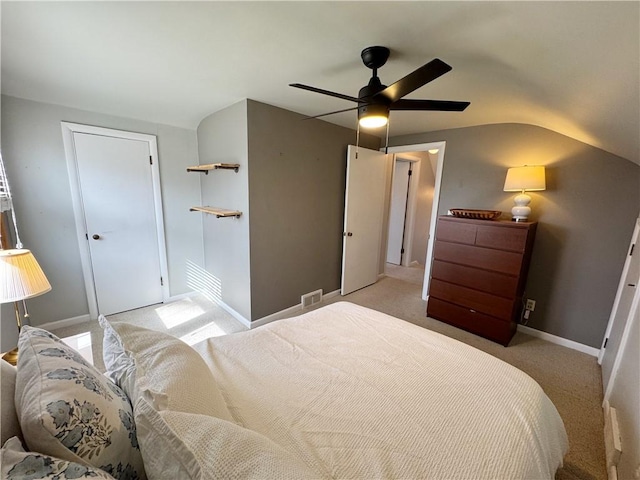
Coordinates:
278	315
68	129
626	334
246	322
423	147
288	311
411	206
181	296
67	322
621	284
559	340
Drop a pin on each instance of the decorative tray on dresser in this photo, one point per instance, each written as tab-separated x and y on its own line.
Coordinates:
479	274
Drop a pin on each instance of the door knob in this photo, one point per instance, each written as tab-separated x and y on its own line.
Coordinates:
96	237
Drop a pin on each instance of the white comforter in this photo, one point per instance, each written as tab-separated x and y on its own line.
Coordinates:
356	393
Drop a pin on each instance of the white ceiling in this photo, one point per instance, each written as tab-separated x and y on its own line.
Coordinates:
572	67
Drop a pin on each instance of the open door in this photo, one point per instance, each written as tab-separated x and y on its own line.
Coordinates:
398	211
627	288
363	217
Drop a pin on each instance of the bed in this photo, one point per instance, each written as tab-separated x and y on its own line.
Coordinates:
339	392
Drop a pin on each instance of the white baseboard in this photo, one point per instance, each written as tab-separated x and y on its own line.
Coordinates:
181	296
67	322
559	340
246	322
287	312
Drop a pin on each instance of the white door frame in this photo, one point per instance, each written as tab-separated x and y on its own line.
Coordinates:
68	129
412	200
423	147
633	316
623	278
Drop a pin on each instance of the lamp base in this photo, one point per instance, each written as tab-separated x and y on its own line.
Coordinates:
521	209
11	356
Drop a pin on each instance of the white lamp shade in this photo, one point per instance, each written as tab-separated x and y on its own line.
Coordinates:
527	178
20	276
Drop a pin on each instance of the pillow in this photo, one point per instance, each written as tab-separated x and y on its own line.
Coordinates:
199	447
171	370
16	464
9	426
69	410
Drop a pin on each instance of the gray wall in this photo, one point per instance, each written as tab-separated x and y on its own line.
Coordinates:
222	138
34	158
586	216
297	176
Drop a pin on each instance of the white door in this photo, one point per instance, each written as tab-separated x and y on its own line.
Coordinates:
621	309
117	195
363	218
398	211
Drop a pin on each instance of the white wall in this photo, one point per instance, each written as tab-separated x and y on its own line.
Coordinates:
223	138
625	398
34	158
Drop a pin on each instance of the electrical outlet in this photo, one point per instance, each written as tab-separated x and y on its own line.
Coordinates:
531	305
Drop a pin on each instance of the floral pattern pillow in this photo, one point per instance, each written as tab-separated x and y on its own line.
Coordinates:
69	410
16	464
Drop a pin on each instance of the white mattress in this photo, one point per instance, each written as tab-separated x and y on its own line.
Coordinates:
356	393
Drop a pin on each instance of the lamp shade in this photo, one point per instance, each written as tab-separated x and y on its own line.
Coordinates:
20	276
527	178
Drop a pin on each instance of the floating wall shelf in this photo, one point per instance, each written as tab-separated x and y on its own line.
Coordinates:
218	212
214	166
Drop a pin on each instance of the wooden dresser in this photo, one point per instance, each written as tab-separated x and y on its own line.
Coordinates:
479	274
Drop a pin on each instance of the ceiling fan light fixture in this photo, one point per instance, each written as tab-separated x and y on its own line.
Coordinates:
373	116
373	121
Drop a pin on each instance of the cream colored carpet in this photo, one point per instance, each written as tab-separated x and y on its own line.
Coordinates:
571	379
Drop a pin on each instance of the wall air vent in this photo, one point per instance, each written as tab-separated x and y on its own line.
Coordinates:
311	298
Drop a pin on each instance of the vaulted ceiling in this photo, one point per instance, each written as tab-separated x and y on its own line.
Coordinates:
572	67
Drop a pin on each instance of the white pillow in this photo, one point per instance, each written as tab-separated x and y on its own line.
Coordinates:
175	373
198	447
9	425
16	464
69	410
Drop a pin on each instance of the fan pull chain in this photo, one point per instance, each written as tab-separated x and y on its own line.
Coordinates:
357	138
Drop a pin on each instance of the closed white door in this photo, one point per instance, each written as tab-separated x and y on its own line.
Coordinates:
398	211
617	327
116	189
363	218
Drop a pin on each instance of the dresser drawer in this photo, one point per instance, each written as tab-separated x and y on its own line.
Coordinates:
502	238
474	300
484	325
479	257
491	282
448	231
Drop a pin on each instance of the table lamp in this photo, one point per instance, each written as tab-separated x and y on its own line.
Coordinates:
524	179
20	278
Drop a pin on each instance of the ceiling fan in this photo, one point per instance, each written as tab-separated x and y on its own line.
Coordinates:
375	100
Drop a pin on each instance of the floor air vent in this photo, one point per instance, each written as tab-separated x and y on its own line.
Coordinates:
311	298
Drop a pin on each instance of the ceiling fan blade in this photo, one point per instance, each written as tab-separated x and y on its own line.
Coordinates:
331	113
440	105
324	92
416	79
